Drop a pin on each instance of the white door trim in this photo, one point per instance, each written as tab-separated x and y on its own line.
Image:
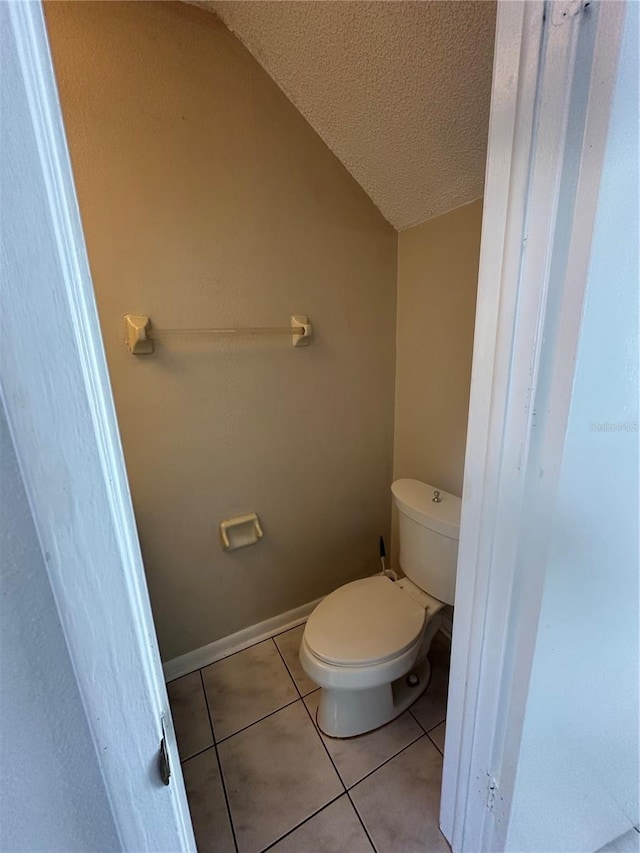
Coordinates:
553	80
60	409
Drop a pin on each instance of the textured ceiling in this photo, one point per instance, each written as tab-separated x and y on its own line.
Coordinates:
398	90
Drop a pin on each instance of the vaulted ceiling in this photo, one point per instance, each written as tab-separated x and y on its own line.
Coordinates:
398	90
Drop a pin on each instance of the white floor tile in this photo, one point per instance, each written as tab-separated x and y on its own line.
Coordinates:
289	645
245	687
336	829
431	708
190	715
357	756
277	775
207	805
400	802
437	736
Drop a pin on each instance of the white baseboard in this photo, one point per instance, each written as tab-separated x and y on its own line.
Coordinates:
226	646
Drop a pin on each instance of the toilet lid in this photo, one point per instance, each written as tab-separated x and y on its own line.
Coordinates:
364	622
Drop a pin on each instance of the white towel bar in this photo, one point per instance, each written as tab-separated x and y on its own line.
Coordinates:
140	335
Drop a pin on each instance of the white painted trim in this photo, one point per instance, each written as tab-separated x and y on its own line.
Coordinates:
543	174
585	130
56	390
226	646
510	130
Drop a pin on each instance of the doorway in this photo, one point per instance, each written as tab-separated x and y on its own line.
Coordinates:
99	425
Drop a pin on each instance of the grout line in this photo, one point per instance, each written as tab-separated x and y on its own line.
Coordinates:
300	698
219	660
196	754
215	746
366	831
417	720
386	761
302	823
287	668
271	713
238	652
436	745
426	731
346	790
206	704
362	823
300	693
375	769
431	728
233	654
324	746
292	628
255	722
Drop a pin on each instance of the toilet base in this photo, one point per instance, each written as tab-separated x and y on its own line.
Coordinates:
347	713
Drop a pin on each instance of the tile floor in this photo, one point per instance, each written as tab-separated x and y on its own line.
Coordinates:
260	776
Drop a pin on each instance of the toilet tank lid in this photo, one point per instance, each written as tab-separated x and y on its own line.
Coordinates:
416	500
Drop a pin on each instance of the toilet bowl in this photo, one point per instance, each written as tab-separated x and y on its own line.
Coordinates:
366	644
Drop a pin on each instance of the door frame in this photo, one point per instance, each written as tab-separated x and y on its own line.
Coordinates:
554	75
57	394
56	391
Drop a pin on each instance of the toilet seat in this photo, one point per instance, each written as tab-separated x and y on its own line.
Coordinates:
364	623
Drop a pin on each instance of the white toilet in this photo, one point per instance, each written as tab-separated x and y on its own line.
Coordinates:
366	644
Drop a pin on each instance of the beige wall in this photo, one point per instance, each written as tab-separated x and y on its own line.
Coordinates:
207	200
437	283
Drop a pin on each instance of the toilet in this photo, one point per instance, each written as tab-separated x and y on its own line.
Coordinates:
366	643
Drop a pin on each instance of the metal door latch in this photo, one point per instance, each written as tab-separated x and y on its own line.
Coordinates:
163	760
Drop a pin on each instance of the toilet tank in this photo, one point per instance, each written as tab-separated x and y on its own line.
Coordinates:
428	534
